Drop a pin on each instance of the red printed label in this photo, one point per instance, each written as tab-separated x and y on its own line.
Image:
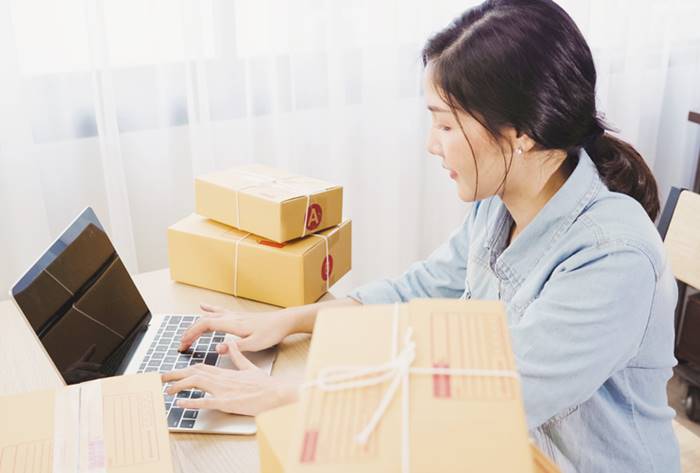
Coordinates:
313	217
327	268
441	382
273	244
308	448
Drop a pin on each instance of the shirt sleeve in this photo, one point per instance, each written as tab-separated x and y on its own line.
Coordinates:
443	274
587	323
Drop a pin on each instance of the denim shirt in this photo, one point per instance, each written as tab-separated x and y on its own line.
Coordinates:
590	299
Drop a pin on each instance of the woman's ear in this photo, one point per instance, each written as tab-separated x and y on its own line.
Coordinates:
523	143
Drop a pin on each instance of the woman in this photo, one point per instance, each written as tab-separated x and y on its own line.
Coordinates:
561	231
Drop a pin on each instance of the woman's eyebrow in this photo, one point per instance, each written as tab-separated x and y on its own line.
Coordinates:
435	109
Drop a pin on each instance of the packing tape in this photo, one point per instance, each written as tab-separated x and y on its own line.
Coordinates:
79	444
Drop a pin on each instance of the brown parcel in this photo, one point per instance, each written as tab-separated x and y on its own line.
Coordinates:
274	437
269	202
208	254
456	422
113	424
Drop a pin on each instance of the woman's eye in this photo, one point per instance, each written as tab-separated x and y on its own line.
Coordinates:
444	128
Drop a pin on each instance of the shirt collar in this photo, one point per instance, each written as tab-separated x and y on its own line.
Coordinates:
515	262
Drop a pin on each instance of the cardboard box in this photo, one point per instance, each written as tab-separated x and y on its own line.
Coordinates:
455	422
274	438
109	425
268	202
208	254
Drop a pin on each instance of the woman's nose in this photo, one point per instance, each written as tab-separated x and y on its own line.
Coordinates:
433	146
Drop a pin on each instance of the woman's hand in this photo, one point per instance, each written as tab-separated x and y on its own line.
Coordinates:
247	390
257	330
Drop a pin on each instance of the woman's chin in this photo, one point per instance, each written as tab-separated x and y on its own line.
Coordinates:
465	195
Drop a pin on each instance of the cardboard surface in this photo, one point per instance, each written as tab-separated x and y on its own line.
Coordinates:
110	425
269	202
207	254
274	439
456	422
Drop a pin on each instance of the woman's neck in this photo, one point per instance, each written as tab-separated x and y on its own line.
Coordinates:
535	184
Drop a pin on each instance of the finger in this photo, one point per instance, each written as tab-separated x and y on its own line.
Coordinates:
201	403
199	381
247	344
203	325
211	308
239	360
177	374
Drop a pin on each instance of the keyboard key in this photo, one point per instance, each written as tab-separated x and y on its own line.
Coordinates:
184	394
179	366
197	394
211	358
174	416
187	424
190	414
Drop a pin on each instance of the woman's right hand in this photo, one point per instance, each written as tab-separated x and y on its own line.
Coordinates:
257	330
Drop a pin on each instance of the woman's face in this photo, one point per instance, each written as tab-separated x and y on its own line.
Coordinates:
446	141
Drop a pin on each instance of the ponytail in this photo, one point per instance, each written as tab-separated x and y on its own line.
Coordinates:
624	170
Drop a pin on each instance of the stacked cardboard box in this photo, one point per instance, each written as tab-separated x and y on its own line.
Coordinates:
434	388
263	234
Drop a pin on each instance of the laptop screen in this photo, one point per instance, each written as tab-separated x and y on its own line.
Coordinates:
82	303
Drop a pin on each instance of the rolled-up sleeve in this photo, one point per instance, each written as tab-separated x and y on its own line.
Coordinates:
441	275
587	323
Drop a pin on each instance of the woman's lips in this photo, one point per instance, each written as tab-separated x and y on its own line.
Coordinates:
453	174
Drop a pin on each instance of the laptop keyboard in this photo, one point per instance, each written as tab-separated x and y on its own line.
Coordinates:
162	356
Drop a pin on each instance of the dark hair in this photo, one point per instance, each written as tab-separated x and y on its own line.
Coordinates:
525	64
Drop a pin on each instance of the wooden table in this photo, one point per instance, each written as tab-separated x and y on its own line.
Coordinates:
24	367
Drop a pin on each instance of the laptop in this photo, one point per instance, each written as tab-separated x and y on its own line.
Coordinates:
91	320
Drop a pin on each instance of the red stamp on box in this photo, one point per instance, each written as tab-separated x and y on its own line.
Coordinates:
327	268
273	244
313	217
308	448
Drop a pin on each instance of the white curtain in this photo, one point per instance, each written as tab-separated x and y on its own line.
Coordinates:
117	104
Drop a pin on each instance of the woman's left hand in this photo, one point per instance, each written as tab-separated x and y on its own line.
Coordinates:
247	390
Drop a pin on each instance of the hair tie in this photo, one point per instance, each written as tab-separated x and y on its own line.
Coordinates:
597	132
